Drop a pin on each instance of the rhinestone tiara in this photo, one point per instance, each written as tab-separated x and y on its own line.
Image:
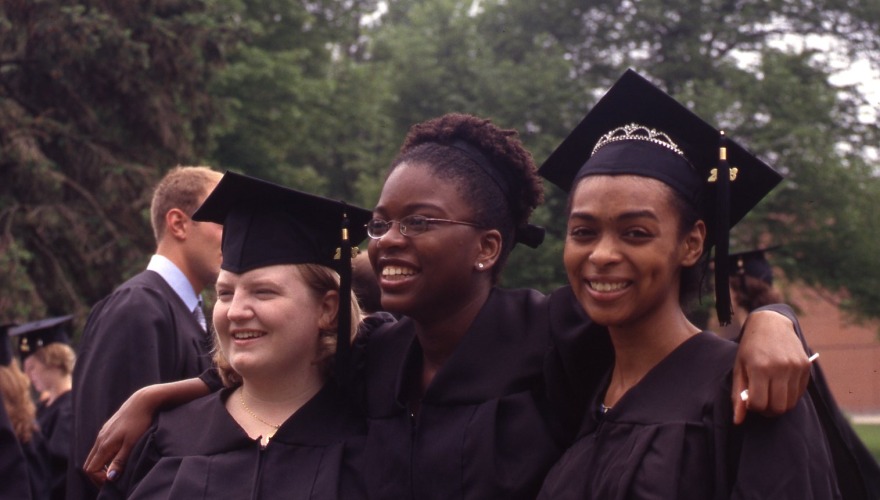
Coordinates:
636	132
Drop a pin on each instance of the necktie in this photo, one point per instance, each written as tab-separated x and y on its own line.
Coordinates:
199	314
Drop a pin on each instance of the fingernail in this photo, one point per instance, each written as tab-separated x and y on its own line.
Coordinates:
111	474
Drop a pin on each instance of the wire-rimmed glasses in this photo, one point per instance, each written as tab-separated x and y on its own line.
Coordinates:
410	225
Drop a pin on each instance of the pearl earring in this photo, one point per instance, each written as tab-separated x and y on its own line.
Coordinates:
480	265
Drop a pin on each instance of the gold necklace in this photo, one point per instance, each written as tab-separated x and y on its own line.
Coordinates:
251	412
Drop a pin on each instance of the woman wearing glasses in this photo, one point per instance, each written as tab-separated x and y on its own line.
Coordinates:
455	391
457	398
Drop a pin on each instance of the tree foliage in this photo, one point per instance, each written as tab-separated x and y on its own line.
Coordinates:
98	98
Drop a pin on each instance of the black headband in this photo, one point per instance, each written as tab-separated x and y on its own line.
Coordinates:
527	234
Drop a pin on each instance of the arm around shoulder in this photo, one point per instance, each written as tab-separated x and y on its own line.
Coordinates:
784	457
123	430
771	363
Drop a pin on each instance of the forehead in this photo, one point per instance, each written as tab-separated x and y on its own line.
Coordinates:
414	186
282	273
603	193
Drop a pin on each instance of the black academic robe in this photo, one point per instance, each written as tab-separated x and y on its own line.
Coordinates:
199	451
15	481
857	470
141	334
672	436
858	473
484	428
38	466
55	425
570	384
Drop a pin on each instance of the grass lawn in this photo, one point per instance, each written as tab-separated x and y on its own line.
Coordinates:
870	435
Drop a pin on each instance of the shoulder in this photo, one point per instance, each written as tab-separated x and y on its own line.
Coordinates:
143	300
175	417
141	293
201	427
327	418
384	328
524	300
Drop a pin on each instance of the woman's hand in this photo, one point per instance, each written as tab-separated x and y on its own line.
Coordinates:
118	436
771	365
122	431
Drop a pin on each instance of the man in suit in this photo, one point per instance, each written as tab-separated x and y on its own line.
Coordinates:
152	328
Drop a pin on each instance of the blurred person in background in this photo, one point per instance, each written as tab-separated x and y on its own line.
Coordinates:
24	472
48	360
152	328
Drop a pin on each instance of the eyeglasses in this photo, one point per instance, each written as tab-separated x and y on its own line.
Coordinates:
410	225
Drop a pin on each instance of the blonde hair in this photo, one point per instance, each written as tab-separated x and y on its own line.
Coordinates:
183	188
15	389
320	280
58	356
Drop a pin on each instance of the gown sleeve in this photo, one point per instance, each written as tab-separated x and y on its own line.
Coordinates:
211	378
857	471
782	458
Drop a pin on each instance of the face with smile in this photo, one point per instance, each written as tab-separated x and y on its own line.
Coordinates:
624	249
268	320
429	274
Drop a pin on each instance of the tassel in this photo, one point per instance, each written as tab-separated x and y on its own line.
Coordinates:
343	317
722	230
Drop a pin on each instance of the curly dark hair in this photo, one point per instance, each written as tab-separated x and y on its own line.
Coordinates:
450	147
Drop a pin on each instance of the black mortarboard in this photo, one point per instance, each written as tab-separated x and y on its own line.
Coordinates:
6	352
638	129
37	334
752	263
266	224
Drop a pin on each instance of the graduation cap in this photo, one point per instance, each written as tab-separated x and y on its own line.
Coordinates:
637	129
266	224
36	334
752	263
6	352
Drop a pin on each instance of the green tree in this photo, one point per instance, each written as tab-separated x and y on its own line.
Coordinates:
446	56
97	99
302	110
539	66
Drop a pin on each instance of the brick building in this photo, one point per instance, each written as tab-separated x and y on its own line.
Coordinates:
849	351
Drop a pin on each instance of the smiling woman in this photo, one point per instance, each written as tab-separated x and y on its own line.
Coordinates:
456	397
280	424
644	210
266	321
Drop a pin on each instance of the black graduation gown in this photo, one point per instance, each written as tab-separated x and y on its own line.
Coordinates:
199	451
141	334
38	466
484	427
672	436
857	471
55	425
14	473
